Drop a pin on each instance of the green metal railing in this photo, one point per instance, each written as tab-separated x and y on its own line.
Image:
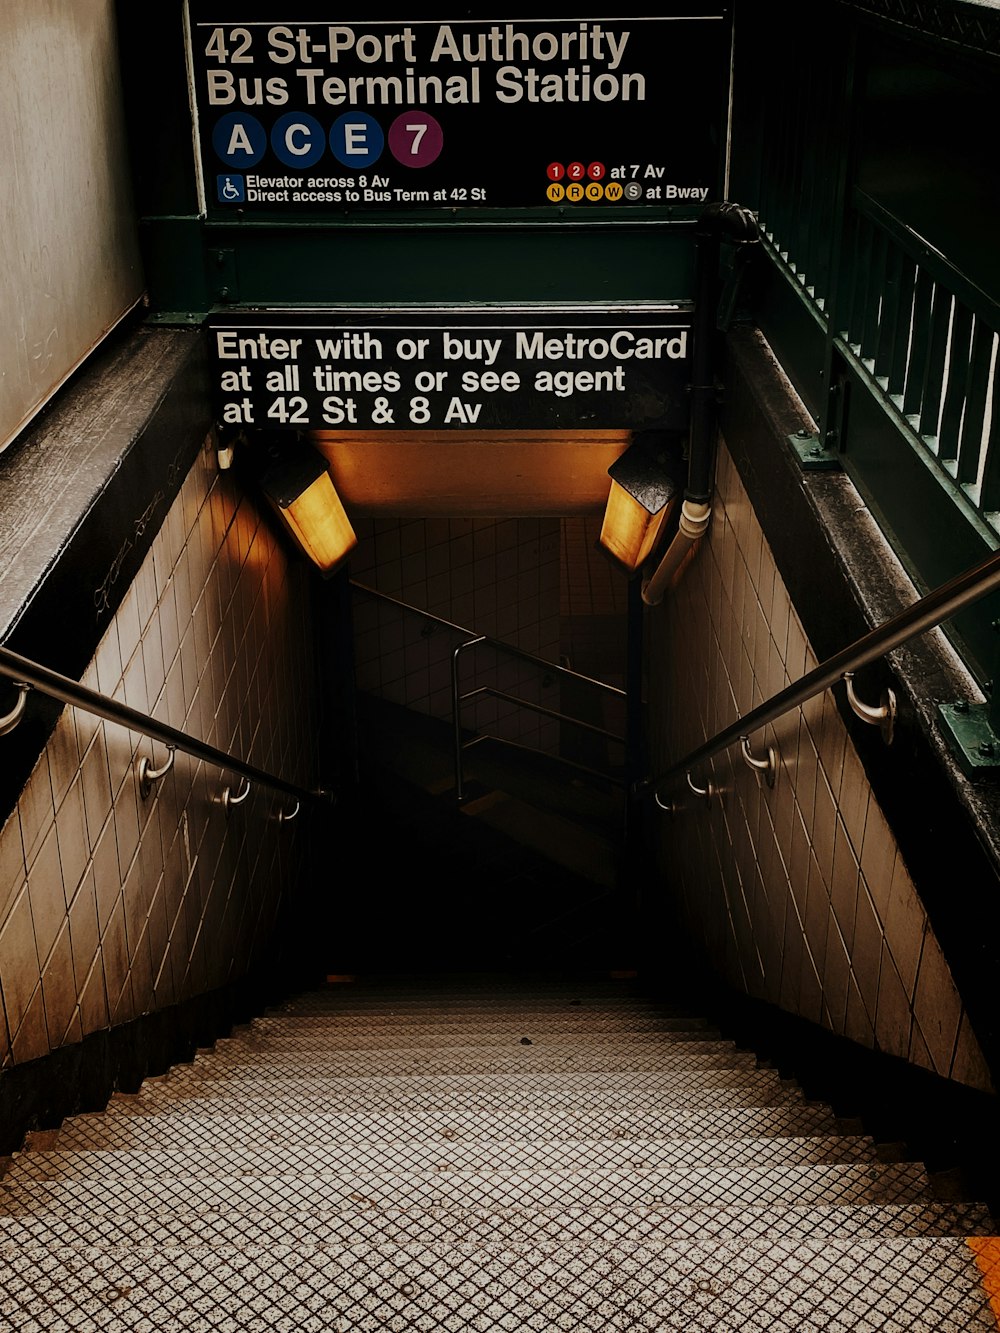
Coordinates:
926	336
882	300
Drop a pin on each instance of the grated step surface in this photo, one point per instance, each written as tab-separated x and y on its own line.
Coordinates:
515	1058
340	1156
497	1156
315	1037
549	1020
802	1184
640	1106
508	1226
447	1125
918	1284
519	1085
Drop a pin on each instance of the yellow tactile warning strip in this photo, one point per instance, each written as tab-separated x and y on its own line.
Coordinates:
987	1252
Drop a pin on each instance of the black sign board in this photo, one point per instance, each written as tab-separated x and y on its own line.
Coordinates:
302	113
453	369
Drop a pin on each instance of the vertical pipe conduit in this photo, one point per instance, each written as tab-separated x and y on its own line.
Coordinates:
718	222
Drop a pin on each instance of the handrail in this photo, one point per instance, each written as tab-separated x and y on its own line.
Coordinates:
498	644
25	672
470	639
924	614
553	713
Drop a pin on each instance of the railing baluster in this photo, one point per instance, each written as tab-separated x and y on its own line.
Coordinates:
934	367
889	323
958	372
900	356
862	257
920	336
989	495
970	446
872	320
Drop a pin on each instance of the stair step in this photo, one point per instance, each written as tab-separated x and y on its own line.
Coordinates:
792	1183
369	1161
268	1062
384	1030
308	1037
922	1285
387	1227
474	1156
321	1004
508	1087
511	1084
449	1125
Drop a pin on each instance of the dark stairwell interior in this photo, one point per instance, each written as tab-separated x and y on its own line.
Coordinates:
528	866
516	1102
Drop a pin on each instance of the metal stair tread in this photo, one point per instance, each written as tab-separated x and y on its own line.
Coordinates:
509	1082
640	1106
483	1014
509	1226
188	1082
446	1175
266	1062
796	1118
433	1038
439	1158
921	1284
816	1183
396	1026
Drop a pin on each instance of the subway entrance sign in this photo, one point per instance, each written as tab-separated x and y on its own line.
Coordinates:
306	115
610	367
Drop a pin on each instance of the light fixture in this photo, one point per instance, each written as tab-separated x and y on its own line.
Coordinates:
302	494
642	488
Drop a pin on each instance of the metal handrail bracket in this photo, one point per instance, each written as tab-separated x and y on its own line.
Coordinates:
10	720
149	776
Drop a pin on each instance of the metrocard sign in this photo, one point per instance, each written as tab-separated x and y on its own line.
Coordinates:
612	368
299	112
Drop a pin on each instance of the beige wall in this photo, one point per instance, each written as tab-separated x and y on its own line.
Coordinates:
112	906
69	263
799	892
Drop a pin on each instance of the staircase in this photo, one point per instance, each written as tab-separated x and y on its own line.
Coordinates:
527	870
479	1155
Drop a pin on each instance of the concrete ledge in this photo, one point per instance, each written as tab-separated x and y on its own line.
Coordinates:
82	495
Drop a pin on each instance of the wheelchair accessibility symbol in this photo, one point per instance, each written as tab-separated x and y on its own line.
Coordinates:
231	189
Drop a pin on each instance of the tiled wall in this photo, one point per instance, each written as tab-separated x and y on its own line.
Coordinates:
498	577
594	601
799	892
110	905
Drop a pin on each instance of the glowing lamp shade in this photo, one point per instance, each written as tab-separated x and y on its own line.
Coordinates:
637	508
302	494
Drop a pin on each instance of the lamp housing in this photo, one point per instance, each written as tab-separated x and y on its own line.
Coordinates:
643	486
301	492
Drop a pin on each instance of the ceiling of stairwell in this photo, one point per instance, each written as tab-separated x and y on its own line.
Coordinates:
470	473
